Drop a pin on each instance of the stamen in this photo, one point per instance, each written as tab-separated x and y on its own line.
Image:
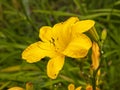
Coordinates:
52	41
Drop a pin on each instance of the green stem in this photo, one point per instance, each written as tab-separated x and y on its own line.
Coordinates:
94	81
94	76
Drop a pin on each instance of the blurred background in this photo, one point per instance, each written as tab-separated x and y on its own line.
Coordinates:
20	21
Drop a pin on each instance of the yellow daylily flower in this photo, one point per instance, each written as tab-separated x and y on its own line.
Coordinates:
29	86
89	87
72	87
63	39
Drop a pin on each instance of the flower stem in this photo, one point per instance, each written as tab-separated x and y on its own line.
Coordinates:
95	76
94	81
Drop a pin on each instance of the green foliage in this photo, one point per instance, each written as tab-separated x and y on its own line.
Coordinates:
20	21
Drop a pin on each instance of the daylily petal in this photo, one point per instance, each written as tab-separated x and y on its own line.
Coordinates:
78	88
66	29
45	33
78	47
69	23
16	88
89	87
60	30
57	39
71	87
82	26
37	51
54	66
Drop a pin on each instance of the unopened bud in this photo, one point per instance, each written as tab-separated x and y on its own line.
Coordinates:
104	34
29	86
93	33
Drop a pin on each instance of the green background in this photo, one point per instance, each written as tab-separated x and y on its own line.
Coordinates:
20	21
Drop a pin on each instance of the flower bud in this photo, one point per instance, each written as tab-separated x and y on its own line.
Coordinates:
104	34
29	86
95	55
93	33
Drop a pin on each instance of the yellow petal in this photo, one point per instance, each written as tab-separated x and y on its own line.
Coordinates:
83	26
37	51
57	34
45	33
61	33
66	29
16	88
54	66
70	22
78	88
78	47
95	55
71	87
89	87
